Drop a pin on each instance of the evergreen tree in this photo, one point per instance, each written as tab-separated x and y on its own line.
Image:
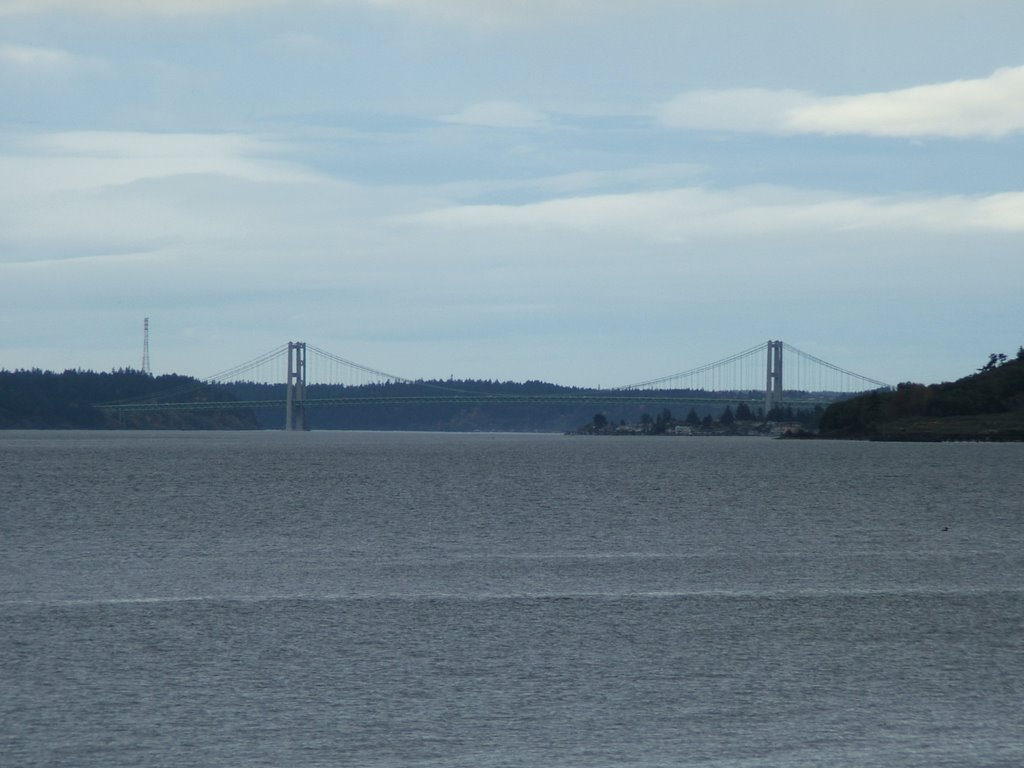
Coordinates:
743	413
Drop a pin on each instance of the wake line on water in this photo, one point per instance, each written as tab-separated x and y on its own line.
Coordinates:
524	595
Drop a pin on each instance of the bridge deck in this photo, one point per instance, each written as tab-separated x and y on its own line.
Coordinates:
596	398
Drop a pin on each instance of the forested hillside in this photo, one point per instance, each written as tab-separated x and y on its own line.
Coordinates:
36	399
987	405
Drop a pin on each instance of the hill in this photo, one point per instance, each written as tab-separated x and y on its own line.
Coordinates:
36	399
987	405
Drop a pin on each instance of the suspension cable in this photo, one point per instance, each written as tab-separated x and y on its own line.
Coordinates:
696	371
232	374
836	368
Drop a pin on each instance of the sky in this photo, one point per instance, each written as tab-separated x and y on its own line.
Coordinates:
586	192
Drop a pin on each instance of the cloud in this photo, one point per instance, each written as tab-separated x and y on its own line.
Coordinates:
96	159
135	7
86	194
991	107
679	214
32	58
499	114
481	14
502	13
737	109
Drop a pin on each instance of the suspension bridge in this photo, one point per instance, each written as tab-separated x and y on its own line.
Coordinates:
316	378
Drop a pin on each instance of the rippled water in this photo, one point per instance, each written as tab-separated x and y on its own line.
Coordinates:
230	599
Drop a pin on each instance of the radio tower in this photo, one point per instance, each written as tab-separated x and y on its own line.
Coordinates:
145	346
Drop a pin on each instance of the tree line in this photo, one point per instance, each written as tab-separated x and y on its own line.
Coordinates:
37	399
743	419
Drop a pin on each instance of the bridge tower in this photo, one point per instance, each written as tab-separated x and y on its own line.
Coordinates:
295	417
773	386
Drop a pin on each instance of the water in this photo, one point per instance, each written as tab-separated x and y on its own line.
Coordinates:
324	599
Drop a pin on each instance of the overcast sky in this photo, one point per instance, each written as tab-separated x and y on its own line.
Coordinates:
587	192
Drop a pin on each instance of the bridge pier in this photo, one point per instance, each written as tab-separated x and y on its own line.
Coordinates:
295	416
773	385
